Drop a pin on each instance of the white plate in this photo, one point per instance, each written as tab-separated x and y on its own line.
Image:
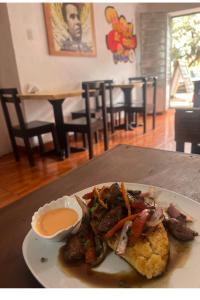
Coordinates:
183	271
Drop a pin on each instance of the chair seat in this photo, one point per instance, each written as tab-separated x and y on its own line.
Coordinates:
82	113
80	124
116	107
35	124
32	127
139	105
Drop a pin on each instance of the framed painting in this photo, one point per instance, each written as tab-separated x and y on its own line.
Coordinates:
70	29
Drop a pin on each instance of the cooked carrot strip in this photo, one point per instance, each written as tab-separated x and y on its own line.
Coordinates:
125	198
99	198
119	225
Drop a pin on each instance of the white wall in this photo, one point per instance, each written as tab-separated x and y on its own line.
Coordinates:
8	72
36	66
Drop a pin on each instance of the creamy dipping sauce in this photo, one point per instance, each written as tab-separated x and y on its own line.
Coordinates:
54	220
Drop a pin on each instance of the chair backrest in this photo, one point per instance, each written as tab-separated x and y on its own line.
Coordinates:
10	96
144	87
187	125
95	85
87	95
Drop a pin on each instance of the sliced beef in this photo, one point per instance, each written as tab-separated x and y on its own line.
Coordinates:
173	212
134	193
115	191
108	221
179	230
74	249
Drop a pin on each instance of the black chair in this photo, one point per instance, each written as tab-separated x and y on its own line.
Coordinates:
187	128
112	107
24	130
89	124
141	106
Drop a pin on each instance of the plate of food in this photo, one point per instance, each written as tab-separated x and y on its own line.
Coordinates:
129	235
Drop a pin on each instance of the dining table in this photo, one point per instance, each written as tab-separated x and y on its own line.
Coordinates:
178	172
56	99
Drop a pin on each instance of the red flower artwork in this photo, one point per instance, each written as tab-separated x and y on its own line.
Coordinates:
120	40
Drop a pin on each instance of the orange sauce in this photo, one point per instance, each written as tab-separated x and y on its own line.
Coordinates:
54	220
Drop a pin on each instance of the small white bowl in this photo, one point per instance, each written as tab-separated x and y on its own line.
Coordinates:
64	202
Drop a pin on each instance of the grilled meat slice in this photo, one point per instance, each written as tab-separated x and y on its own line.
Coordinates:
74	249
149	255
110	218
173	212
114	191
179	230
75	246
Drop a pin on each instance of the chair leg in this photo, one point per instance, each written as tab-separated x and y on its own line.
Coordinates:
126	121
96	137
136	118
15	148
112	122
84	140
119	117
29	151
145	122
90	145
179	146
67	154
75	136
41	145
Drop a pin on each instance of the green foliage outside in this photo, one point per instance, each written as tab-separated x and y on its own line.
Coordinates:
186	39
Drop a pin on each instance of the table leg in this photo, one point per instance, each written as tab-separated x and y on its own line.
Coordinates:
63	144
179	146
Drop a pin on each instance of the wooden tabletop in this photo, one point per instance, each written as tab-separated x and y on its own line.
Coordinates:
171	170
128	85
51	95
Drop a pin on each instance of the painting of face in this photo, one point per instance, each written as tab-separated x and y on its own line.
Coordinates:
70	29
71	14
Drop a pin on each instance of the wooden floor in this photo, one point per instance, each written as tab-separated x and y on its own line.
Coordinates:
18	179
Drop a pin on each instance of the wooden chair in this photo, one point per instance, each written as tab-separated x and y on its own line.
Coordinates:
141	106
86	124
24	130
112	107
187	128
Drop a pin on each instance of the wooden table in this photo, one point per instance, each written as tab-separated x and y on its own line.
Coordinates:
56	99
171	170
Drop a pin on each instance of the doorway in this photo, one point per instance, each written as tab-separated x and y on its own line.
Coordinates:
185	58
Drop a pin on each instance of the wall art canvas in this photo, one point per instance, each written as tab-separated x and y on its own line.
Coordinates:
70	29
121	40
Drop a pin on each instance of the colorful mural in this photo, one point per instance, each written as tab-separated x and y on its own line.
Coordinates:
120	40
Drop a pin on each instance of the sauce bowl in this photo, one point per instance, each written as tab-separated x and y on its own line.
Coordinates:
64	202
